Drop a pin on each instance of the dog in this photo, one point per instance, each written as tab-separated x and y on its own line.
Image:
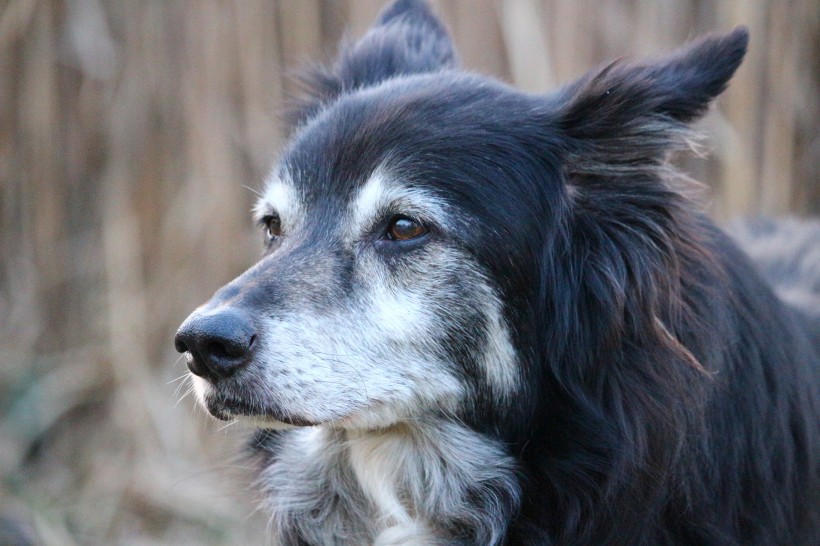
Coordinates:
490	317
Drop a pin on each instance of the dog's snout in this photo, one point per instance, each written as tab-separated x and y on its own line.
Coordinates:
220	342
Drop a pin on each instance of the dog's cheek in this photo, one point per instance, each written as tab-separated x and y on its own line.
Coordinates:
442	318
410	314
321	367
308	368
449	305
400	317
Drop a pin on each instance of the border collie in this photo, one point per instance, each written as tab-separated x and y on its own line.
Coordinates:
491	317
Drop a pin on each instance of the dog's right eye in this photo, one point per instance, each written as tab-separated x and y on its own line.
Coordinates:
273	225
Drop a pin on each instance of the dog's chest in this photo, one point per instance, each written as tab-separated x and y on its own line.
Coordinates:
389	470
398	487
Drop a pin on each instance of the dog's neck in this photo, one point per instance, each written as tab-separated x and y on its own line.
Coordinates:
392	486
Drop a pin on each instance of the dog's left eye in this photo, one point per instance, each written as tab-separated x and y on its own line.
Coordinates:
404	228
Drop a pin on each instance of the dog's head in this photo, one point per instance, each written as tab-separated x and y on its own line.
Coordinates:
410	220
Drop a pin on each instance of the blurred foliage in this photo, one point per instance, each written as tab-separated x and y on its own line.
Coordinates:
130	134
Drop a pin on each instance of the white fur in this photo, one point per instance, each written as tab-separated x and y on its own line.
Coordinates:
382	194
346	367
280	197
499	358
403	481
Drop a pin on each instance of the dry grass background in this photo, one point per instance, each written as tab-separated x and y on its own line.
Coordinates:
127	132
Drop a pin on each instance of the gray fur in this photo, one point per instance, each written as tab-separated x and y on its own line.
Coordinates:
409	484
787	253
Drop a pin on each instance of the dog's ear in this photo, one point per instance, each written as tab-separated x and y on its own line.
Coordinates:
407	38
627	115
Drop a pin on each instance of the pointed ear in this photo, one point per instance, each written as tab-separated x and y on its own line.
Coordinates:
627	116
407	38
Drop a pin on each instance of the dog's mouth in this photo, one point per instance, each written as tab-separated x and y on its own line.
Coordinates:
228	408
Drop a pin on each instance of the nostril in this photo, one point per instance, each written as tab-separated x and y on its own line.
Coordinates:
223	350
180	345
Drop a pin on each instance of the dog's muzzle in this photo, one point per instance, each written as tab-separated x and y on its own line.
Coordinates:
220	341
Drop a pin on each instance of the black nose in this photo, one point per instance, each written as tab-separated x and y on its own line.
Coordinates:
220	341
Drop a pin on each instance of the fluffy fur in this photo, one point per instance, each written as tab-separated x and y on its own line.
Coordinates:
567	352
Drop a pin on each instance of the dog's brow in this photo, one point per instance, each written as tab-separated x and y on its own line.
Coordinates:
279	197
369	201
383	194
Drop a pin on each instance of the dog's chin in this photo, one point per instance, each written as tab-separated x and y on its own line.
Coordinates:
231	409
373	417
361	420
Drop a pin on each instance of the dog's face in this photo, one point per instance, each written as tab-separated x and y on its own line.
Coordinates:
371	304
406	228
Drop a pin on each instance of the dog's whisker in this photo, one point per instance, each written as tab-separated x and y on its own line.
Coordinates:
254	191
226	425
181	384
181	377
185	395
180	357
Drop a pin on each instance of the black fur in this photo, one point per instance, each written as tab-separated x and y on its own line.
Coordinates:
668	397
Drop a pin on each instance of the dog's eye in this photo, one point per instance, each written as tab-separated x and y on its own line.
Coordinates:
273	225
402	228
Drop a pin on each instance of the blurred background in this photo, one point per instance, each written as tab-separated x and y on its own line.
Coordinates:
132	136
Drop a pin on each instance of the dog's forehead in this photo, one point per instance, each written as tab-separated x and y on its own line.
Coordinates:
354	155
414	140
